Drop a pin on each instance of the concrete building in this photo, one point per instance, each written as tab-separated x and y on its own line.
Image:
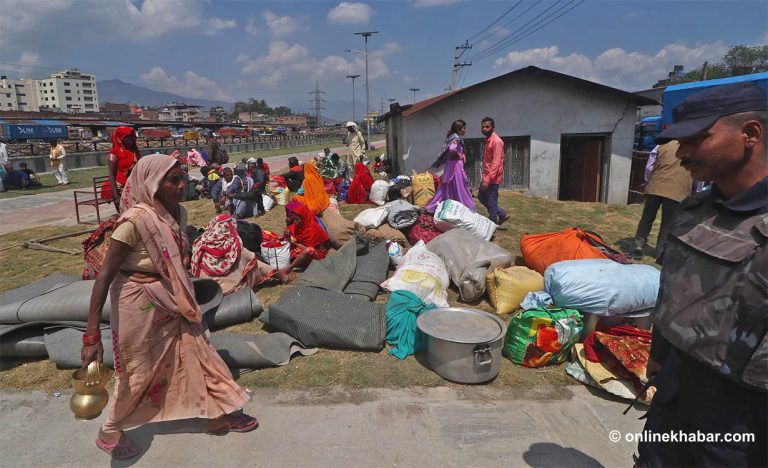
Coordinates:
290	120
181	112
18	95
70	91
253	117
565	138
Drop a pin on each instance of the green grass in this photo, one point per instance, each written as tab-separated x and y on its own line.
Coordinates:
332	367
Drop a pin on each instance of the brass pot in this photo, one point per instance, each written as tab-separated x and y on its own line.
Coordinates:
91	395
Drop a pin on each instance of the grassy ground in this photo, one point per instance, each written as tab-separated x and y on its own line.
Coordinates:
84	178
329	367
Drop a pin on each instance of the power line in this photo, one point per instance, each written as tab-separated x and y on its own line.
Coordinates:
495	21
490	33
527	31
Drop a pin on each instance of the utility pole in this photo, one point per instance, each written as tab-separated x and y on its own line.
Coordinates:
457	65
317	100
414	93
366	35
704	71
353	95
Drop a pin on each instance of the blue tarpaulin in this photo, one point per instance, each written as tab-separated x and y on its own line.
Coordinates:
34	129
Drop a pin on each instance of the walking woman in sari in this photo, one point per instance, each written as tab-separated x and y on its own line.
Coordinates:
361	184
454	184
120	161
309	241
165	367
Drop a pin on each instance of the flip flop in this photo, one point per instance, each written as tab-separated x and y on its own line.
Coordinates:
132	449
242	423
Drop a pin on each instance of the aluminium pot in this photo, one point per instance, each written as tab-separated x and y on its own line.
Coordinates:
463	345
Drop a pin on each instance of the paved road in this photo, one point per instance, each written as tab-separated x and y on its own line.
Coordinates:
422	427
58	208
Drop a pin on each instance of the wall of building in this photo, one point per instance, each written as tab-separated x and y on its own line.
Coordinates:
544	108
18	95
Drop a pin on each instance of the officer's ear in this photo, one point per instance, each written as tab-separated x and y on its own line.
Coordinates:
754	133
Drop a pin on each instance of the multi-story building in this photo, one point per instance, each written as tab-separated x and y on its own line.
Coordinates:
181	112
291	120
19	95
252	117
70	91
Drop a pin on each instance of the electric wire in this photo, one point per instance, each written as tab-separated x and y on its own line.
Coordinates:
495	21
485	36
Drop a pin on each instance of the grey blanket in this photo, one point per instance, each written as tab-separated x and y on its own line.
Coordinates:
401	214
328	319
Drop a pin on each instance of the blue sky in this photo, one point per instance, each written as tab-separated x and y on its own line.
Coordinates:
275	50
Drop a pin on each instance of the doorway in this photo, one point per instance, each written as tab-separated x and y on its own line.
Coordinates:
582	168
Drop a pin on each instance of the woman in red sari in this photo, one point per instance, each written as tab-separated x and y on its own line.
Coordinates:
120	162
361	185
309	241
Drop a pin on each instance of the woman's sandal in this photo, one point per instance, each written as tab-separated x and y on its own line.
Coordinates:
241	423
120	450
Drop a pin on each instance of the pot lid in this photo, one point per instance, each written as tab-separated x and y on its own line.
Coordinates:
461	325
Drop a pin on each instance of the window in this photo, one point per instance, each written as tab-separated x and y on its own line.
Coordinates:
79	99
7	95
66	83
69	98
20	94
516	160
67	91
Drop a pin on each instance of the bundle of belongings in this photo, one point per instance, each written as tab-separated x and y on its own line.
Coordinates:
615	359
542	250
47	318
331	304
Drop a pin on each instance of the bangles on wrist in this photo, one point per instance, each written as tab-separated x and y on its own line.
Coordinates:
90	340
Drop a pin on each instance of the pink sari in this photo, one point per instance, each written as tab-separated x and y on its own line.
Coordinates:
165	367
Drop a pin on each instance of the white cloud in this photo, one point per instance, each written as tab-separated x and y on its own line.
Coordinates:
26	66
389	48
190	85
280	26
251	27
350	13
217	24
616	67
431	3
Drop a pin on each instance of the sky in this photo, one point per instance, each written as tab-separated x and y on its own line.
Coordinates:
277	49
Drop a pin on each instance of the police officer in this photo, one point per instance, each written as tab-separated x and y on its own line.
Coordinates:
709	354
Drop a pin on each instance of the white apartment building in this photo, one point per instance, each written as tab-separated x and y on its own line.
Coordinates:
69	91
180	112
18	95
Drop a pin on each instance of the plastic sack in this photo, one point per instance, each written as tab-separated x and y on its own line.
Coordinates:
451	214
508	287
602	287
378	192
422	273
280	194
268	202
340	229
395	252
371	217
401	214
536	299
540	337
542	250
277	253
423	229
468	260
423	188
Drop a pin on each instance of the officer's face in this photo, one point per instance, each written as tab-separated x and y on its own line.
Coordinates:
715	154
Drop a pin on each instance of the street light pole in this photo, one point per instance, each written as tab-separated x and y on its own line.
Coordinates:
414	93
353	95
366	35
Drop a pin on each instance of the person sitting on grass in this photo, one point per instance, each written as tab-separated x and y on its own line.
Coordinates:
34	179
308	239
14	178
361	185
295	175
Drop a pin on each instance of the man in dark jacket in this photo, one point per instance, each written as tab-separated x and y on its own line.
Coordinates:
709	353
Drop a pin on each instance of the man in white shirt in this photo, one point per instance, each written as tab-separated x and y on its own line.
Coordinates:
57	162
356	145
3	162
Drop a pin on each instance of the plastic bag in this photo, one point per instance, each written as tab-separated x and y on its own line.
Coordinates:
277	253
371	217
451	214
268	202
468	260
602	287
395	253
539	337
508	287
423	188
378	192
424	274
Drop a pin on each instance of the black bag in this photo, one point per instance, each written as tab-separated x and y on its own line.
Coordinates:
250	234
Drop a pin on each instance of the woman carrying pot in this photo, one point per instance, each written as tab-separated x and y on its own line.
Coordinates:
165	367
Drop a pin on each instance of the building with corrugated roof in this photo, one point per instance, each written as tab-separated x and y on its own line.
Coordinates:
565	138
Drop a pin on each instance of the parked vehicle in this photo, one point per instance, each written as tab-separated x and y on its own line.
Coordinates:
79	133
645	132
155	132
178	134
233	131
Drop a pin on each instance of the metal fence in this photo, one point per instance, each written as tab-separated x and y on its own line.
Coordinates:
637	176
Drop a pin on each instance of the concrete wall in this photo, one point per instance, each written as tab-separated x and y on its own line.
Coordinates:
541	107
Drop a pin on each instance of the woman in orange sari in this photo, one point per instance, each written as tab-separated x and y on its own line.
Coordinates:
165	367
120	161
315	196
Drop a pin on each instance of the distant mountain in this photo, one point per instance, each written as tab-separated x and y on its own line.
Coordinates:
118	91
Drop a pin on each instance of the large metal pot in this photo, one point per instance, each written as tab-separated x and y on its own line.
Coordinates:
463	345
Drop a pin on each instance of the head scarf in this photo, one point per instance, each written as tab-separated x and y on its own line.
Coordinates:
315	196
126	158
164	240
310	234
361	184
442	157
217	249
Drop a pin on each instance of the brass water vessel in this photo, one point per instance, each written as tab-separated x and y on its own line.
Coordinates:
90	385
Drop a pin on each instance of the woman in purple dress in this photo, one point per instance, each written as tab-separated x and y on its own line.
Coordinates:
454	184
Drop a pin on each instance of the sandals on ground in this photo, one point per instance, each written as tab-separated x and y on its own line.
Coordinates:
240	423
120	450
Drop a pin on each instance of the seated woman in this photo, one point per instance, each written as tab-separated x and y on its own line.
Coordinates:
309	241
218	254
314	196
361	185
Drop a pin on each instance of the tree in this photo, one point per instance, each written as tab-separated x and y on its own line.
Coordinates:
739	60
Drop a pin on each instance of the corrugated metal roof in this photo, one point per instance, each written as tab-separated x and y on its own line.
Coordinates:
48	122
428	102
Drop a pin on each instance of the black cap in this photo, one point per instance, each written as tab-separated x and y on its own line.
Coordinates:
699	112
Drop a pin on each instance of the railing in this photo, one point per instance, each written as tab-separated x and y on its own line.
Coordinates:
637	176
